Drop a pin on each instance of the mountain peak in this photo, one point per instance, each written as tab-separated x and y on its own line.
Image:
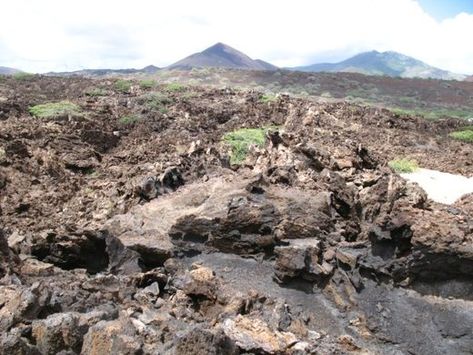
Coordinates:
221	55
218	46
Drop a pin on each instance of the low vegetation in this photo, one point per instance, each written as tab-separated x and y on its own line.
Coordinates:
55	110
268	98
465	135
129	119
242	139
95	92
22	76
175	87
436	113
123	86
157	101
403	165
147	84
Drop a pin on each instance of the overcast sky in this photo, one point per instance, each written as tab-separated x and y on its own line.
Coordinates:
58	35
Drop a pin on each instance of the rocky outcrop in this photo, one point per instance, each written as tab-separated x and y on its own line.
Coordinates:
241	216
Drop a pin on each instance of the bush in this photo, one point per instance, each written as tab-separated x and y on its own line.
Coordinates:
464	136
267	98
147	84
403	165
123	86
22	76
157	101
96	92
241	140
129	119
55	110
175	87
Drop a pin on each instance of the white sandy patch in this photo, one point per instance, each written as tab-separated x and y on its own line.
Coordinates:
441	187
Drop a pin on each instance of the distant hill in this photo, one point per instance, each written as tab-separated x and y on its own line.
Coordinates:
150	69
384	63
469	78
8	71
221	56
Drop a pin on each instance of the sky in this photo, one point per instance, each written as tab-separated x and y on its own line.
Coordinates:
59	35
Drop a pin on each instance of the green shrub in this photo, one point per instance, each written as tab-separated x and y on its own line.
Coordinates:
156	101
96	92
464	136
129	119
55	110
22	76
241	140
123	86
403	165
175	87
147	84
267	98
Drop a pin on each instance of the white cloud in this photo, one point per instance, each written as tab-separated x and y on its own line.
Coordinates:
64	35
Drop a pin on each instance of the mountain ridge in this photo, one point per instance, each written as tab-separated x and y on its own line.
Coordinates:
8	70
383	63
150	69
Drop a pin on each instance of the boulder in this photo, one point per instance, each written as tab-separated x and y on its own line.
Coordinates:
254	336
112	337
227	213
199	340
58	332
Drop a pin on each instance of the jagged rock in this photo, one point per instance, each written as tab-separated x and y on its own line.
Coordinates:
59	332
205	341
121	260
200	281
148	294
34	267
8	260
80	249
18	303
253	335
301	258
347	257
16	344
221	214
111	337
152	187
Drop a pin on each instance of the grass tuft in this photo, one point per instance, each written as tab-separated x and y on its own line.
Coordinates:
129	119
267	98
241	140
403	165
175	87
123	86
157	101
55	110
22	76
464	136
147	84
95	92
